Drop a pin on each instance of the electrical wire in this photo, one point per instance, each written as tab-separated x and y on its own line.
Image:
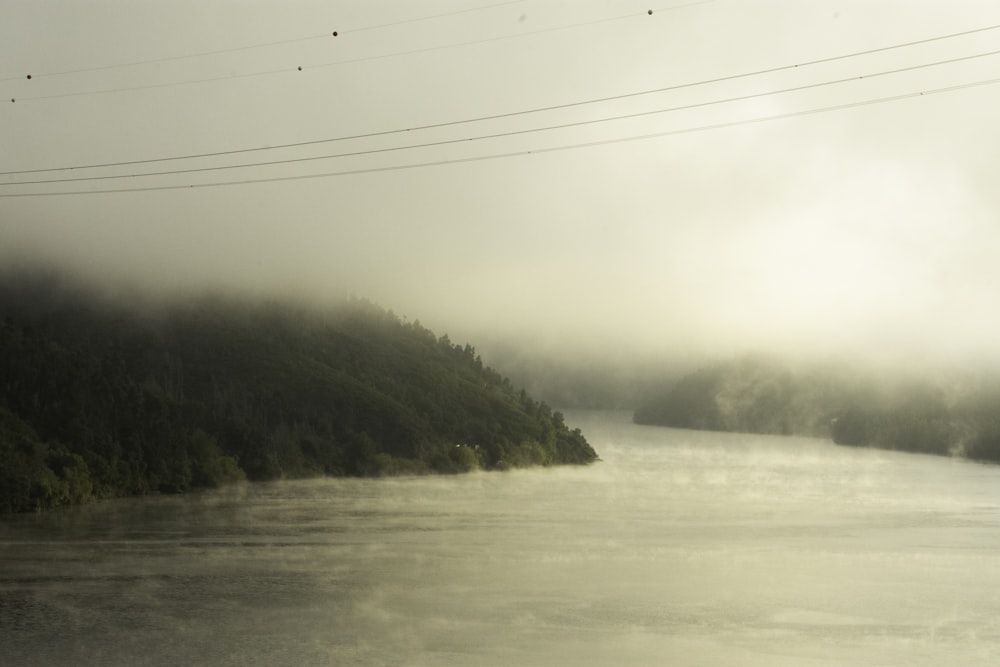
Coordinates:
520	153
259	45
510	133
348	61
512	114
435	16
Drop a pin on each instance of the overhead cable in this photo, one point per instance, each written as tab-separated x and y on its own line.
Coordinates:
347	61
511	114
510	133
258	45
519	153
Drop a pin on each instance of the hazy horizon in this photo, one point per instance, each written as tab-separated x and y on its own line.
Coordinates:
815	222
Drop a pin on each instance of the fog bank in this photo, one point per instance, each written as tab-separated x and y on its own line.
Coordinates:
865	232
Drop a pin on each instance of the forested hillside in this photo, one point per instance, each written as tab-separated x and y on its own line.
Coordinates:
99	399
757	395
752	395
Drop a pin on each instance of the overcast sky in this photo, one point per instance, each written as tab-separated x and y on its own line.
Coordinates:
867	226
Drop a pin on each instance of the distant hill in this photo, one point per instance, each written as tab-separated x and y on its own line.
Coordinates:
752	395
99	399
763	395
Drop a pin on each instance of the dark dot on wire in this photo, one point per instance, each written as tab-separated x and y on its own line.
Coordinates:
12	100
334	33
300	68
29	77
650	12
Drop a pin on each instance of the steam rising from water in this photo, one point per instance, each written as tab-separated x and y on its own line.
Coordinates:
679	548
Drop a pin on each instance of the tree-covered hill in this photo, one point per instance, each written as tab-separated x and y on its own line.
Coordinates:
759	395
752	395
101	399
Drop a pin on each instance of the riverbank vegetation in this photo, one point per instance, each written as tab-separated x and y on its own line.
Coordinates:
957	416
99	398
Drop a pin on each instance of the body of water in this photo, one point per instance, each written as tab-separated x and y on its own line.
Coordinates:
678	548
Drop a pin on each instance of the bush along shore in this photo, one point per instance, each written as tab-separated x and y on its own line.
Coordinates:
101	399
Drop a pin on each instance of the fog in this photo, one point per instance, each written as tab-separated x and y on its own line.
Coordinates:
863	231
680	547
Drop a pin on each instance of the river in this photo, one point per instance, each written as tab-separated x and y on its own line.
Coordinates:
678	548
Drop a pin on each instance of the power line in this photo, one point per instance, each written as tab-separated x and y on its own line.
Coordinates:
153	61
499	38
259	45
510	133
435	16
512	114
521	153
348	61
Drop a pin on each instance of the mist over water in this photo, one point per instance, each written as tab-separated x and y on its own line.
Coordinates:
680	547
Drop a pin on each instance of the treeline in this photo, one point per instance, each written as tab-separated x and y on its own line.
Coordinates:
760	395
99	399
923	417
750	395
575	377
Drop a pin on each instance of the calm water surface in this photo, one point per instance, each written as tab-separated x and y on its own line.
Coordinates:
679	548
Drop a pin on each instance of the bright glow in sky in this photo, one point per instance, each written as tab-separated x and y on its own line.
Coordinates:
872	227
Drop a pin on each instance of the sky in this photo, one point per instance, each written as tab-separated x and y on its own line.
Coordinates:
584	176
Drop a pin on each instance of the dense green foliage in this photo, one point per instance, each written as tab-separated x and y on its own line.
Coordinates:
756	395
99	400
